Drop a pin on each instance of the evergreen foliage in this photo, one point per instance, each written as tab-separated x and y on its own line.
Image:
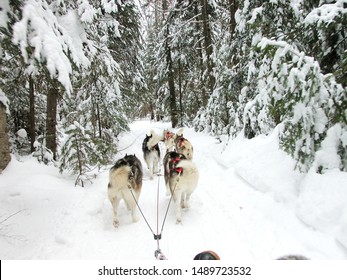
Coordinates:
227	67
84	45
284	66
178	30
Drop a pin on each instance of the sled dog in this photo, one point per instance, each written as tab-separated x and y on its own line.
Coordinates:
151	152
169	140
176	142
125	182
181	179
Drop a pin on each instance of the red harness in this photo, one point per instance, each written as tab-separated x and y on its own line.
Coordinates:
176	169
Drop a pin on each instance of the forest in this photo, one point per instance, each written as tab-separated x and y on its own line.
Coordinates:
74	74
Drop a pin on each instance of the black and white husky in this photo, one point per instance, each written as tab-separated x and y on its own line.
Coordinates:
125	182
181	179
151	152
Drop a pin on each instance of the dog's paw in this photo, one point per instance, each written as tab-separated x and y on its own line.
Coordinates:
116	223
178	221
135	218
186	205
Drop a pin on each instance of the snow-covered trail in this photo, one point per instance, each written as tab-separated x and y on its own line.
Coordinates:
227	214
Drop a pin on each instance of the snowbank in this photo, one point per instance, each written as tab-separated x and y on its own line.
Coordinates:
261	163
322	203
320	199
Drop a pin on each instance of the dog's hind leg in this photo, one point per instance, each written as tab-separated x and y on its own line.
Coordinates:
186	202
115	203
130	199
150	168
155	165
177	199
134	215
168	191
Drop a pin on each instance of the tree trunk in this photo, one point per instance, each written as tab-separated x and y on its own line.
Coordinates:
170	74
232	10
180	91
173	106
99	120
51	121
208	48
201	61
32	134
5	156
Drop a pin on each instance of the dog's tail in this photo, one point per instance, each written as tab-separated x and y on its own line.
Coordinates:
119	177
154	140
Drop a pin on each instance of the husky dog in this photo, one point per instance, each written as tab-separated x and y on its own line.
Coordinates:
125	182
151	152
183	146
169	140
181	179
176	142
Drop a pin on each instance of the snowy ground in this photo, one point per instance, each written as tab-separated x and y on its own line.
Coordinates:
249	205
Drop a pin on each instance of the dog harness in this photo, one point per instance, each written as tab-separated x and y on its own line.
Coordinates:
175	161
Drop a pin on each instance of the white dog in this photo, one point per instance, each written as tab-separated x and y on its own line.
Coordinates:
181	178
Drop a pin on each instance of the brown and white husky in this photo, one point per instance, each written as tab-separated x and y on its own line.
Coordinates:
125	182
176	142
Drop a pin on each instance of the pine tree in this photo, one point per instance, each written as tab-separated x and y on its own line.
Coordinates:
184	58
265	78
69	51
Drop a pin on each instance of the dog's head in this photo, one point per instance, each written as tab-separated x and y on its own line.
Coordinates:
184	146
131	159
169	140
119	163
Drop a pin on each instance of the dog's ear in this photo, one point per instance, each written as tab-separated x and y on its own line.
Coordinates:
180	132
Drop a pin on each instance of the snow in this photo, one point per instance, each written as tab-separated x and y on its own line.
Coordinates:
327	156
4	101
249	205
22	133
327	12
54	39
4	8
